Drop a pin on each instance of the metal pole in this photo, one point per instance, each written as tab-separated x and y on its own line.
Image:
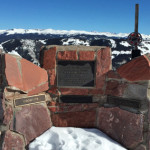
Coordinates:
136	17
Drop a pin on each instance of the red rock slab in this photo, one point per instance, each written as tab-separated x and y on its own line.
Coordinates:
31	121
74	91
103	66
71	107
137	69
87	55
113	74
32	75
39	89
86	119
13	141
96	91
115	88
13	71
123	126
90	106
24	75
49	58
67	55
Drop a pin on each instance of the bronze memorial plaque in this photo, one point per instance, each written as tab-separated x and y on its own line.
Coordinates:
29	100
76	73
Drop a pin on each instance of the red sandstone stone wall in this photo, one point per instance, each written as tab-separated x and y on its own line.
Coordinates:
102	56
20	78
124	126
74	115
20	125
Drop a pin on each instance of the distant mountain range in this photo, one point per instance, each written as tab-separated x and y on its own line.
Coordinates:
27	43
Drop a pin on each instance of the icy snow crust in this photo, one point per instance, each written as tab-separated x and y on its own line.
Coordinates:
59	138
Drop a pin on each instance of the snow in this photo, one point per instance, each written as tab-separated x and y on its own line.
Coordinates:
113	43
42	41
1	47
145	47
116	52
29	45
125	43
14	53
69	138
51	31
66	32
73	41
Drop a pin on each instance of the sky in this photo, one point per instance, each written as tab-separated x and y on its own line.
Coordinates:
116	16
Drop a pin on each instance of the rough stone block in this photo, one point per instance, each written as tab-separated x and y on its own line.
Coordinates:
52	77
71	107
13	71
103	66
87	55
49	58
39	89
67	107
115	88
74	91
86	119
123	126
67	55
13	141
90	106
24	75
113	74
8	114
31	121
96	91
32	75
135	91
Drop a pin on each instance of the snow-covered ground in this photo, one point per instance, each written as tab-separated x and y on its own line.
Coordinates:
60	138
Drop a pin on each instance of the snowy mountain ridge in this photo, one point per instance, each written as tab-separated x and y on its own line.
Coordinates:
27	43
66	32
